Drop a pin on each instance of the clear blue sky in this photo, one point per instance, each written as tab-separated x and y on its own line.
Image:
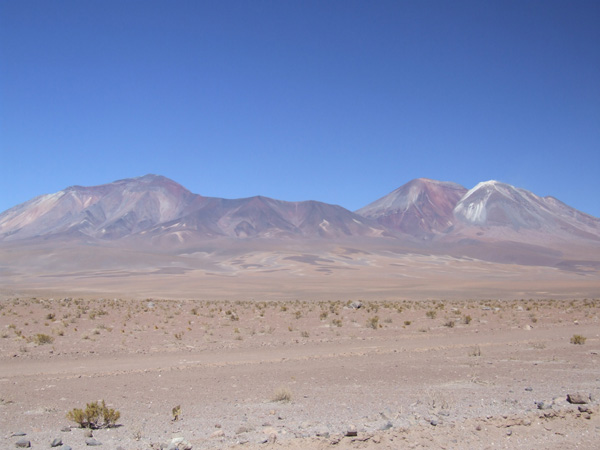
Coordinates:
339	101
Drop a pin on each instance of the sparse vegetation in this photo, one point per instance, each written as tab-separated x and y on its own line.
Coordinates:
373	322
475	351
578	339
176	412
41	339
282	394
95	415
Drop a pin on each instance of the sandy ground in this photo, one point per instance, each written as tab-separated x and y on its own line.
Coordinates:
398	374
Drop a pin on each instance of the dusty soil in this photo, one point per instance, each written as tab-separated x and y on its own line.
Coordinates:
402	374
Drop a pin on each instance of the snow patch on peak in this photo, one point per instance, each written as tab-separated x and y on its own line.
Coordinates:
474	210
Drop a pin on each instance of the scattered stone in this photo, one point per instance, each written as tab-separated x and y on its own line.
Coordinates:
578	398
335	439
66	447
387	426
272	438
179	443
92	442
56	442
322	433
18	433
509	432
23	443
351	432
356	304
544	405
529	389
433	423
88	434
242	430
584	409
65	429
444	413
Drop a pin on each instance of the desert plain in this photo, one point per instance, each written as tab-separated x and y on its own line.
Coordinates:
250	374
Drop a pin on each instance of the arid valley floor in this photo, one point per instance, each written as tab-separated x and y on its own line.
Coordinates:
302	374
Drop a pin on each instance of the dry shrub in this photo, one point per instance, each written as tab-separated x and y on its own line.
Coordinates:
96	415
283	395
41	339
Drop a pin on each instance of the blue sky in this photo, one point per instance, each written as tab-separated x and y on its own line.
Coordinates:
338	101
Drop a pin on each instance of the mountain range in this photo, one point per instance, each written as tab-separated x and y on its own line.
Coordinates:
153	208
150	234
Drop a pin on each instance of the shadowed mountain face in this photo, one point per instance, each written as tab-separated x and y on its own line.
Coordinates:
157	211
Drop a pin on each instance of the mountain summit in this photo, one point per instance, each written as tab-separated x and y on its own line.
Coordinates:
153	207
109	211
420	208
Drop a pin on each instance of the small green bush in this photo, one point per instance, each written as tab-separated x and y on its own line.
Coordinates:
96	415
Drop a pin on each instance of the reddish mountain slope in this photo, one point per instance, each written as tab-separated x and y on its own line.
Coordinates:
420	208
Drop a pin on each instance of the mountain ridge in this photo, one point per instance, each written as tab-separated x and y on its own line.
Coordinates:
423	209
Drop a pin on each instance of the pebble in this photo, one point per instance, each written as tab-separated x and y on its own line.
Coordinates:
434	423
578	398
23	443
351	432
387	426
66	447
18	433
56	442
179	443
92	442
